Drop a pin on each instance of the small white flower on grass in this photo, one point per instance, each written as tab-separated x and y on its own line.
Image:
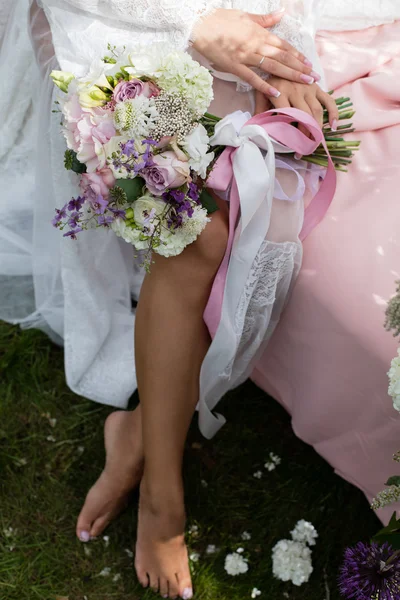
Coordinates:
128	552
21	462
117	577
204	483
194	530
211	549
255	593
258	474
246	536
9	532
235	564
194	557
106	540
106	572
11	548
80	449
240	550
86	550
273	462
52	422
291	561
285	594
51	438
304	532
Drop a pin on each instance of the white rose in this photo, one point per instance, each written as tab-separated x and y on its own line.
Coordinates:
145	204
196	145
146	60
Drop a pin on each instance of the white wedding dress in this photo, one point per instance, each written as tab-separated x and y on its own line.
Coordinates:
81	293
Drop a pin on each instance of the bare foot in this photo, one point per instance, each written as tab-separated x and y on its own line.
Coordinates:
122	473
161	554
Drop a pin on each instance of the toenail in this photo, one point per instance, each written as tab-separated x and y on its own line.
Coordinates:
187	594
84	536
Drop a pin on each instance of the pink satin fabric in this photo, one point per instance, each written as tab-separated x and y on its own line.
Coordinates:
279	126
328	359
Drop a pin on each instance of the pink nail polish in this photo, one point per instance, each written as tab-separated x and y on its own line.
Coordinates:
307	79
274	92
316	76
187	594
334	125
307	62
298	156
84	536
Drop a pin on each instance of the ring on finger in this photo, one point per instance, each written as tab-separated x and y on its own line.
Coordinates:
262	60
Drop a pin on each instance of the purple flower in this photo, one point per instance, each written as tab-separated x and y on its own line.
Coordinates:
118	213
60	214
72	233
105	220
74	219
193	192
127	90
370	571
76	203
129	148
99	205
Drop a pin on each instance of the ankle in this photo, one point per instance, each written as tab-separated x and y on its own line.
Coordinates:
163	498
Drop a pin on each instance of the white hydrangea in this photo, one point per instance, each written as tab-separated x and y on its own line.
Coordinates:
394	381
304	532
136	117
178	72
174	242
291	561
236	564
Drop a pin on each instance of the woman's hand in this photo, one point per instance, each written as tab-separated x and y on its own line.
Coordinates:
309	98
234	41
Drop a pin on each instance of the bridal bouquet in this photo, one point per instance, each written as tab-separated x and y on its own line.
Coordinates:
136	132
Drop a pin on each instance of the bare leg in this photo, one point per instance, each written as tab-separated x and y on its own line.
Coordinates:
122	473
171	342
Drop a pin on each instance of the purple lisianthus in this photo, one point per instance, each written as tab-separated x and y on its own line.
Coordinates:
74	219
105	220
61	213
99	204
127	90
76	203
370	571
72	233
118	213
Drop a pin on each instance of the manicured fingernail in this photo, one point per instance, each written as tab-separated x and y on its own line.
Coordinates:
334	125
84	536
187	594
315	75
274	92
307	79
279	11
307	62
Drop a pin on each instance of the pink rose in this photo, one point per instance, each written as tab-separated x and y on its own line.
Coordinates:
97	184
126	90
166	172
87	131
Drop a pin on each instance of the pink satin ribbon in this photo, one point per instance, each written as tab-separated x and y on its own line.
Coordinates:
278	125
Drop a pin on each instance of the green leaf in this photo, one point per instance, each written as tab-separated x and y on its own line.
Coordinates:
71	163
208	202
392	538
395	480
133	188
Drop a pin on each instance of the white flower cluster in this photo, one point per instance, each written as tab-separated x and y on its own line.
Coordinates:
394	381
291	559
236	564
136	118
274	461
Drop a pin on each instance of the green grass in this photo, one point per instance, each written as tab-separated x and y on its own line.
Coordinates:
40	500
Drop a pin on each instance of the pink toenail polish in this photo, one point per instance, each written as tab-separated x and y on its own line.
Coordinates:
84	536
187	594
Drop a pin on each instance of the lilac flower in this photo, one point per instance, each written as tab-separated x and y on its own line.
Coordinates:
370	571
118	213
99	205
104	220
76	203
129	149
193	192
74	219
72	233
60	214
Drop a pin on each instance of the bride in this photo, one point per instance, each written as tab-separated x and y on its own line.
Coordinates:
83	290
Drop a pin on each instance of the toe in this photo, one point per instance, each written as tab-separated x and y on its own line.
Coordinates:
185	585
99	526
164	590
83	527
154	582
142	578
173	588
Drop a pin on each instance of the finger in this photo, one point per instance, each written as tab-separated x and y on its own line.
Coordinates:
330	104
274	67
256	82
281	102
273	40
316	108
268	20
287	58
262	103
301	104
